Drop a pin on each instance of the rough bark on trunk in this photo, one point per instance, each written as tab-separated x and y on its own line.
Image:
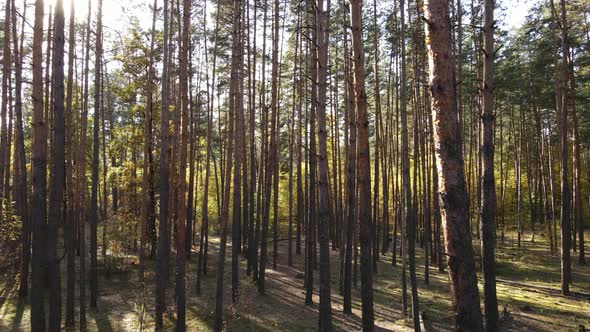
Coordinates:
449	159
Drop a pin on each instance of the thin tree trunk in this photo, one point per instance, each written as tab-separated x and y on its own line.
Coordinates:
488	202
20	174
234	90
164	237
39	174
363	167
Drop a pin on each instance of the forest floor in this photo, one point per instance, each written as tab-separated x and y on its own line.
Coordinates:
528	283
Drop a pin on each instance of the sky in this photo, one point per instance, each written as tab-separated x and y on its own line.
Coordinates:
516	11
116	12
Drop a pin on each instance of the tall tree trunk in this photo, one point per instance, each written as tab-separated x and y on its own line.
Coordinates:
311	228
81	176
147	146
271	160
39	174
488	184
234	90
69	229
164	237
239	162
322	24
57	172
449	159
94	193
6	56
363	167
20	174
566	274
182	186
406	196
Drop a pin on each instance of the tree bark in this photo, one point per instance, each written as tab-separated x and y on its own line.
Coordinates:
363	167
449	159
488	184
39	175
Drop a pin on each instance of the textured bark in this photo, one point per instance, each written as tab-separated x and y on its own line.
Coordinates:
350	182
234	90
147	146
449	160
310	236
39	174
81	177
6	55
69	229
363	167
271	159
406	196
488	200
93	279
239	154
182	185
566	273
20	174
164	237
322	23
57	170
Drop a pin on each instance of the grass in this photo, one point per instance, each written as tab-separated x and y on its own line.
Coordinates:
528	284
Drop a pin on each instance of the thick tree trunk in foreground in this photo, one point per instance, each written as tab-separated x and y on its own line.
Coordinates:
449	160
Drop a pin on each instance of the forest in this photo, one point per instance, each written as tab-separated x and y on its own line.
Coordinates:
285	165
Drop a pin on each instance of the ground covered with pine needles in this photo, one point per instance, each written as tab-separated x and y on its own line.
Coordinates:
528	284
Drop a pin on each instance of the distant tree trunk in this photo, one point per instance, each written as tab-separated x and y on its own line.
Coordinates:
164	237
238	153
270	152
39	173
94	193
377	126
234	90
566	274
488	202
252	246
453	195
6	55
350	194
363	167
182	186
577	165
322	24
312	188
147	146
291	125
69	229
300	213
81	177
275	149
57	172
406	196
20	174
